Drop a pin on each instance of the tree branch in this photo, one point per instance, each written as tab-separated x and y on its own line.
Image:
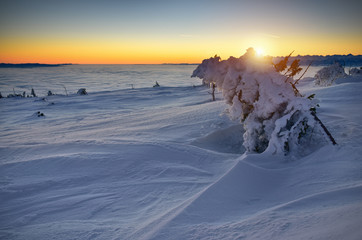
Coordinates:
324	128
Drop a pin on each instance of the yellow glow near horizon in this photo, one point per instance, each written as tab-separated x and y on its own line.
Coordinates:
92	52
162	50
102	51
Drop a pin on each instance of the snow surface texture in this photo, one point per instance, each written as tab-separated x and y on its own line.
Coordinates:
156	163
275	117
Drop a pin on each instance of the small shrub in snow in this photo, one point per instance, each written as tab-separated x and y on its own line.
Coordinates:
82	91
275	116
156	84
327	75
33	92
14	95
40	114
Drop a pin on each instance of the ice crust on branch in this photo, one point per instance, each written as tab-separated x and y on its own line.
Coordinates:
275	118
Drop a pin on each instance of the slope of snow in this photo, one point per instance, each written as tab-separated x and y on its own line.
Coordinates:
166	163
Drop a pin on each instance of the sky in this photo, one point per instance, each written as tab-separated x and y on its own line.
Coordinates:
167	31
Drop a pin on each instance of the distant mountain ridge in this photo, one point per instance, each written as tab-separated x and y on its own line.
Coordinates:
317	60
30	65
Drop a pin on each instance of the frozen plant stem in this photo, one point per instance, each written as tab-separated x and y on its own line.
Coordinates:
296	82
213	85
66	93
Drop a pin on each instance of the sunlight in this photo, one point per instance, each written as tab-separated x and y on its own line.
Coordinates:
259	52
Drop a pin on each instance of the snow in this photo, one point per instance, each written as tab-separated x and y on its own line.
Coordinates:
168	163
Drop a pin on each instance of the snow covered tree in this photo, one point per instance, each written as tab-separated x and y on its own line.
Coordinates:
327	75
355	71
263	95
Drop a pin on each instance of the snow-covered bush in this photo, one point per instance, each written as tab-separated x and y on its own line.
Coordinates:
275	116
327	75
355	71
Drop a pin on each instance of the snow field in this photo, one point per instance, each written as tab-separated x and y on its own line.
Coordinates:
93	165
158	164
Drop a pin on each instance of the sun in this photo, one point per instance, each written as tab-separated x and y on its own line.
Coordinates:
259	52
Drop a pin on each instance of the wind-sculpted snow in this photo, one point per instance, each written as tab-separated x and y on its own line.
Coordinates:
228	140
256	202
157	163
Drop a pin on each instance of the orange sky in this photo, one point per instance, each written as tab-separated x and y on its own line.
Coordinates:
129	32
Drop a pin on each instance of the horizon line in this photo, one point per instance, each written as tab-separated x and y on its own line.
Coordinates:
167	63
